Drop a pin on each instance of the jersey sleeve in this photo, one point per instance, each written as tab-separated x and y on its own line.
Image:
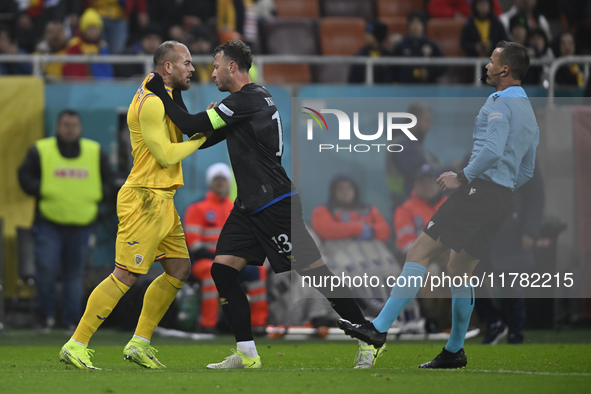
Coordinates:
157	136
497	132
235	108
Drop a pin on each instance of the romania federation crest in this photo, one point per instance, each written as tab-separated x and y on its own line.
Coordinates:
138	259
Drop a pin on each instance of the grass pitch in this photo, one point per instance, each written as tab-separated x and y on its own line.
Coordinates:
30	364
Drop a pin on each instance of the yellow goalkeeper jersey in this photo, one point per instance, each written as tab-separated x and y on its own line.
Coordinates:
157	144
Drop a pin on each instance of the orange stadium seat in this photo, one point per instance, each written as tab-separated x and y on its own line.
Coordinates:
339	36
393	8
287	73
446	32
396	24
289	37
357	8
297	8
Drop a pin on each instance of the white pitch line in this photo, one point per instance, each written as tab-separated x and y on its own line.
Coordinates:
502	371
530	372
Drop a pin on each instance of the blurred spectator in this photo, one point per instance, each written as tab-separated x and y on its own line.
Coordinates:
413	215
54	43
539	49
519	29
456	8
201	42
417	44
203	223
538	40
482	31
345	216
88	42
568	74
187	14
576	17
69	175
9	46
115	15
151	38
35	14
512	251
402	167
531	14
374	38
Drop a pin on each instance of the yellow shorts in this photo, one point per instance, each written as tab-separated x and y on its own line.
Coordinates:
149	230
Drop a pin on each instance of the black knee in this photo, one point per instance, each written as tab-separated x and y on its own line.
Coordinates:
221	272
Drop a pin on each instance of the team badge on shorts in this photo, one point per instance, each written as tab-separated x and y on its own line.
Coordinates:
138	259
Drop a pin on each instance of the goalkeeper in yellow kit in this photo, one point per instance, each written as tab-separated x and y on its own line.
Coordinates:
149	225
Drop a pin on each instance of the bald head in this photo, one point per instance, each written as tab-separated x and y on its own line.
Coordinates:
167	52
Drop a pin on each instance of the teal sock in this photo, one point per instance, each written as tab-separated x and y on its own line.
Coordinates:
400	296
462	304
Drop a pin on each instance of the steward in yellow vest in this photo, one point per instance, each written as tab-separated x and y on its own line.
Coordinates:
69	176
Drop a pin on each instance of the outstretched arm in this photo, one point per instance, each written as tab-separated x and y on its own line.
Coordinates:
189	124
157	136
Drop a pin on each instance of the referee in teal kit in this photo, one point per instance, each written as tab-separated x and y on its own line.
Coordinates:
506	135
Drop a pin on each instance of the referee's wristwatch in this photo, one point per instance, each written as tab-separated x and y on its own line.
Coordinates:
462	178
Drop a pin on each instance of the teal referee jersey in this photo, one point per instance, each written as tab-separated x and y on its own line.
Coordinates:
506	136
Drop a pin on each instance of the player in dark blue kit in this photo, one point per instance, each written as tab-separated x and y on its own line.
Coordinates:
503	156
266	221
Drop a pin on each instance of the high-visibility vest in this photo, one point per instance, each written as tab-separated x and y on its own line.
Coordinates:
71	188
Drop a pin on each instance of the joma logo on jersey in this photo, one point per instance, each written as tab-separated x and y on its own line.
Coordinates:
345	129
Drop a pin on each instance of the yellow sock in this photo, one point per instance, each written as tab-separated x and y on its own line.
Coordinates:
158	298
101	302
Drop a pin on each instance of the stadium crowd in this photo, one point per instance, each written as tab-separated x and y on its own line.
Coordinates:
376	28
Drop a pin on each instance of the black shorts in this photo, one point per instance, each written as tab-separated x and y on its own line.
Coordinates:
469	219
277	233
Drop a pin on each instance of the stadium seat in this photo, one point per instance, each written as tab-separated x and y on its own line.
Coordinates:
287	73
398	8
355	8
289	37
446	32
396	24
297	8
339	36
